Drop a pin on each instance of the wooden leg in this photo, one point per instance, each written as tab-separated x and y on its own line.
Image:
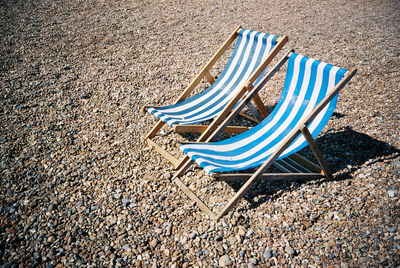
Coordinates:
192	196
155	129
186	163
316	151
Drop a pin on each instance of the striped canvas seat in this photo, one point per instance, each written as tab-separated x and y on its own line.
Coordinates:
251	49
307	82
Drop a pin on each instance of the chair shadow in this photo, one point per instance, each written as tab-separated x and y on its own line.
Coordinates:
344	151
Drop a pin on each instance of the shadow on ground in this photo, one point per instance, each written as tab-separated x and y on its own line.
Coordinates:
345	151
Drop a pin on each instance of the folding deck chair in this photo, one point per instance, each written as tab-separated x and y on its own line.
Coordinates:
307	102
252	53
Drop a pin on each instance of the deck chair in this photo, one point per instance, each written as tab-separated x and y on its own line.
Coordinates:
307	102
252	53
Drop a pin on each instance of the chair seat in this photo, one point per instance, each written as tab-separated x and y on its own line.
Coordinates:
307	82
251	49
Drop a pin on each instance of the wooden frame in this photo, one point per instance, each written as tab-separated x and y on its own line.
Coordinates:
207	130
290	163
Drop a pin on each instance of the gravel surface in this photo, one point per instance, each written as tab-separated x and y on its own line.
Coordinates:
80	188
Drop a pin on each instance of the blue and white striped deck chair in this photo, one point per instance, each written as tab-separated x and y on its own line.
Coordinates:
252	53
307	102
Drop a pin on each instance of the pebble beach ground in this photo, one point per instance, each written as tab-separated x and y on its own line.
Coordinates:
79	188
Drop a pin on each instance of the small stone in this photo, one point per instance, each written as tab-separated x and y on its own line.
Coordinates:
218	238
267	254
249	232
166	176
253	261
392	193
127	247
51	239
365	260
117	195
126	201
79	204
168	227
225	261
192	235
153	243
289	250
344	265
242	253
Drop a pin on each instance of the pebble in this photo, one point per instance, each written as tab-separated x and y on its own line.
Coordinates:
392	193
224	261
267	254
289	250
253	261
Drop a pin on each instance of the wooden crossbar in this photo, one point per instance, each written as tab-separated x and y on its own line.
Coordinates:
202	128
266	176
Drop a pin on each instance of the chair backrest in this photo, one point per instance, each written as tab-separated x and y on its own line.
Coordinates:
307	83
250	50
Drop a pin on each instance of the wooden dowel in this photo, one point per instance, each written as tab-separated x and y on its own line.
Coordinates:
144	108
